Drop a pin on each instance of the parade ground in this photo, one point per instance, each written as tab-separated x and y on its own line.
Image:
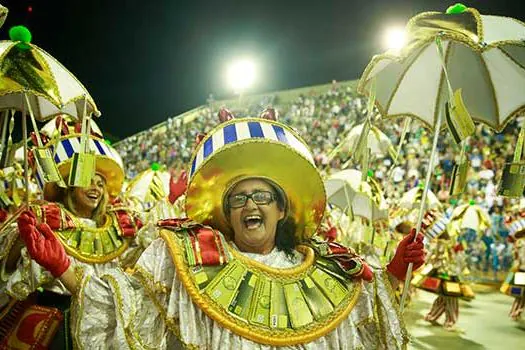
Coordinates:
483	324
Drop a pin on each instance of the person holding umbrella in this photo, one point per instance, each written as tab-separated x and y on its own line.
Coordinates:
256	277
95	233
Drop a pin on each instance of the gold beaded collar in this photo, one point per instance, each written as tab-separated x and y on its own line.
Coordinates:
279	307
94	245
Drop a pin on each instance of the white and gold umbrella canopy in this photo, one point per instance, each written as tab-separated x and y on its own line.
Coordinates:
346	190
3	14
484	56
469	216
411	200
26	69
378	143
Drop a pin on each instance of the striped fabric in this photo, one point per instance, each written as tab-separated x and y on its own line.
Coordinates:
67	147
6	183
516	226
39	180
438	227
444	305
243	130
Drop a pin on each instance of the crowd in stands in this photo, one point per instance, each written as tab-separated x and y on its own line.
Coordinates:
323	120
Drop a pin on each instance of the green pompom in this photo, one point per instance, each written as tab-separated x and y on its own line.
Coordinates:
453	201
421	185
155	166
456	8
22	34
107	142
370	173
472	202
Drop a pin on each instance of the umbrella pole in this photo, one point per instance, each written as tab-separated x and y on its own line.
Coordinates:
5	119
399	147
421	213
373	232
26	160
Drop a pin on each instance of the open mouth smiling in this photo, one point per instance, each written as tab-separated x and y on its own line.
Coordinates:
252	221
94	195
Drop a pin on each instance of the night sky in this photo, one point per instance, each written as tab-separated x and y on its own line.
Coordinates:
144	61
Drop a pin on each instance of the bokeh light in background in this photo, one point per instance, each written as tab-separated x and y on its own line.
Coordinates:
241	74
395	38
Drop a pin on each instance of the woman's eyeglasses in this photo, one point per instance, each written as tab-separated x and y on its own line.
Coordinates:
258	197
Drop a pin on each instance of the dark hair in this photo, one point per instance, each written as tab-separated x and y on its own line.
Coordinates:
285	231
285	236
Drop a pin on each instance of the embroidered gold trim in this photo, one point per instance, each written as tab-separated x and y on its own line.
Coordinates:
92	237
306	329
131	335
299	270
171	323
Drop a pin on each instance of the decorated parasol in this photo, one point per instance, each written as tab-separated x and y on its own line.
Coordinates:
455	61
469	216
483	56
3	15
346	190
362	205
378	143
33	82
412	199
149	190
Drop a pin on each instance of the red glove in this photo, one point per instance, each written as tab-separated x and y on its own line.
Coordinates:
42	244
367	273
458	248
3	215
178	188
407	252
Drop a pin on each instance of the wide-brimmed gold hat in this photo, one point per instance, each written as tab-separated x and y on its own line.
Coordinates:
254	148
108	163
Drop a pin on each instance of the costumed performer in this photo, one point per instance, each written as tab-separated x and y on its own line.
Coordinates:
93	236
514	284
443	274
257	277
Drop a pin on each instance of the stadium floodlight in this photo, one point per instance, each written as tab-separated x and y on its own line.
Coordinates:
395	38
241	75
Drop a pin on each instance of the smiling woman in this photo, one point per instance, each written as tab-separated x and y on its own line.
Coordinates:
254	215
94	235
88	202
247	270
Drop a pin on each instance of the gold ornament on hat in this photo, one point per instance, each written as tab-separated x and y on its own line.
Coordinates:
66	146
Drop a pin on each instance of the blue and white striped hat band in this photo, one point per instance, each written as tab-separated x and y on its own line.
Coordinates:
246	129
516	226
254	148
437	228
108	163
